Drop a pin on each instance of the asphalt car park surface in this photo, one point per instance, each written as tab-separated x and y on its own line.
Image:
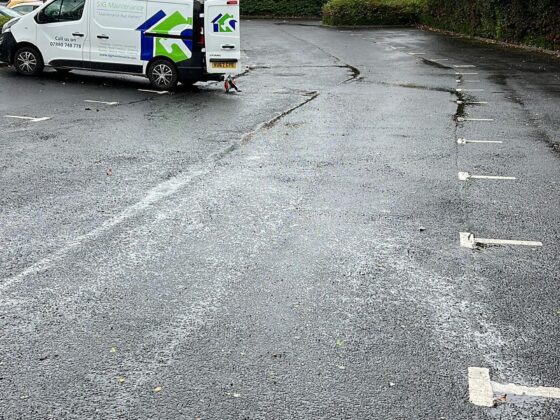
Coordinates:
289	251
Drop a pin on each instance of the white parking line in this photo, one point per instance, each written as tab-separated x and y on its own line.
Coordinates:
159	92
465	141
472	103
482	389
100	102
31	119
465	176
462	119
468	240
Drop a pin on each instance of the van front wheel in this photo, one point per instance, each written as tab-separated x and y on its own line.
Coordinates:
28	61
163	75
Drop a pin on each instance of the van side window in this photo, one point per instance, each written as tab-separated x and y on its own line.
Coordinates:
63	11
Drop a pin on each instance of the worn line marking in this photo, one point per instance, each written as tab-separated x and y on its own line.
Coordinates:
467	81
100	102
465	176
539	391
416	53
462	119
472	103
465	74
464	66
159	92
470	90
468	240
438	59
31	119
465	141
153	196
480	388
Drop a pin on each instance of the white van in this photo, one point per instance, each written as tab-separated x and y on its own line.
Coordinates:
168	41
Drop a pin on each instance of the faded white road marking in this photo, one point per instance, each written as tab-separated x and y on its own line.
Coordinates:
31	119
438	59
471	103
100	102
468	240
465	141
539	391
480	388
416	53
465	66
159	92
467	81
465	74
465	176
462	119
153	196
469	90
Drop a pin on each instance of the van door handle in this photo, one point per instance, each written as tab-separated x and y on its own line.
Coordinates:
228	47
77	34
103	36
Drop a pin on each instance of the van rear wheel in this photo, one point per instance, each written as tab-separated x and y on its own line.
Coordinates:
163	75
28	61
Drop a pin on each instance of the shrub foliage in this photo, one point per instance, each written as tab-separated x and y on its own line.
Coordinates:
3	20
284	8
535	22
371	12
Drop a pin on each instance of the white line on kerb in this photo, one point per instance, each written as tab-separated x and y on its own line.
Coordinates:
465	176
482	389
31	119
468	240
159	92
465	141
100	102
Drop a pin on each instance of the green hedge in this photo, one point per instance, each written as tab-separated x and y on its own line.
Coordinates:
534	22
3	20
372	12
284	8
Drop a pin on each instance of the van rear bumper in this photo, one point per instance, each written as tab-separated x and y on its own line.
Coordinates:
7	45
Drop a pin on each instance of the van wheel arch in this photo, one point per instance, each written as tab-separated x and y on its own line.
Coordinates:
22	45
162	73
33	53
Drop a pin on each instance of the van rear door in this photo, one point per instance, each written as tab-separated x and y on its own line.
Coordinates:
222	36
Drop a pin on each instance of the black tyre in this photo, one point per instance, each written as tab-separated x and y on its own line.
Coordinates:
163	75
28	61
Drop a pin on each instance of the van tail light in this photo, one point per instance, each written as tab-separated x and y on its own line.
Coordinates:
201	39
232	2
